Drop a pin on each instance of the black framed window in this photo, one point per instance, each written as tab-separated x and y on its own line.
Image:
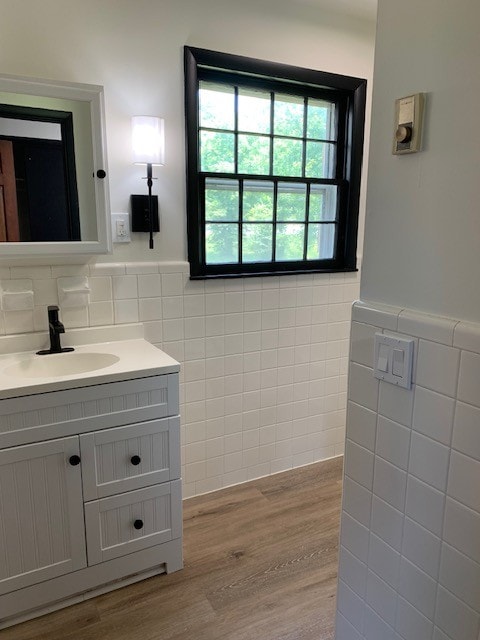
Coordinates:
273	166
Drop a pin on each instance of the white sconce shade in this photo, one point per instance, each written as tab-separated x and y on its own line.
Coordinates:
148	140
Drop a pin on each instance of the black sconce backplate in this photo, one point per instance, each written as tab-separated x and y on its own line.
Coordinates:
140	220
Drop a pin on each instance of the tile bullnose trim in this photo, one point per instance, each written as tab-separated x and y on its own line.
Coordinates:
429	327
108	269
451	332
383	316
174	267
467	336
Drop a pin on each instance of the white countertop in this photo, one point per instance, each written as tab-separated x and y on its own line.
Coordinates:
137	358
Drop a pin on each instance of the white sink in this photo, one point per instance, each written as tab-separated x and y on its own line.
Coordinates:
102	355
60	364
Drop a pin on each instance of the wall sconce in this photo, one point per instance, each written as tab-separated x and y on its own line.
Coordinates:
148	146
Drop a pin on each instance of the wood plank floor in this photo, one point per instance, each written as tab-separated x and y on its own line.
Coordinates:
260	564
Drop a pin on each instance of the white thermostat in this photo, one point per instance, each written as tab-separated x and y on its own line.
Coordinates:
408	124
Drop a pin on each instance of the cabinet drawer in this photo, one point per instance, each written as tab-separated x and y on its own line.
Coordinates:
63	413
129	522
128	458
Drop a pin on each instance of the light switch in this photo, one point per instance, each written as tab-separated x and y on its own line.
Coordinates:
383	353
393	359
398	362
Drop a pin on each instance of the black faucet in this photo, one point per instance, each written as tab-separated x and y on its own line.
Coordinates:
55	328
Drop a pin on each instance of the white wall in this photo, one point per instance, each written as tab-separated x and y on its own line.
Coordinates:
264	360
423	222
135	50
409	558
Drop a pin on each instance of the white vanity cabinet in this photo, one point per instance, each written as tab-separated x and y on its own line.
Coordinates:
90	492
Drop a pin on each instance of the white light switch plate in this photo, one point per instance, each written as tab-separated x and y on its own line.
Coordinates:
120	227
393	359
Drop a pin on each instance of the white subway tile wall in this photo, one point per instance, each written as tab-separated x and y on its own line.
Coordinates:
264	359
410	540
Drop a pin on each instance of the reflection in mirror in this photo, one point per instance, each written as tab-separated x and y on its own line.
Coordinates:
53	199
37	168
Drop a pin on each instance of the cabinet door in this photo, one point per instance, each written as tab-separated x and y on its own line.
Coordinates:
128	458
41	513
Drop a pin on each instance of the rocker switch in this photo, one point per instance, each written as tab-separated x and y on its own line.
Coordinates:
398	362
382	363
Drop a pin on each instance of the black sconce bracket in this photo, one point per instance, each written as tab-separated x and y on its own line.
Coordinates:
140	213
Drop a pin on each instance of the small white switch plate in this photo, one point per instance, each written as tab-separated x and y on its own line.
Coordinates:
120	227
393	359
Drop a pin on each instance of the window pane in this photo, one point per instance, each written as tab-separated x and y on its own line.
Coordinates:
290	242
221	199
217	152
288	116
221	243
254	154
323	203
257	242
320	119
291	200
258	201
217	106
287	157
320	160
321	241
254	111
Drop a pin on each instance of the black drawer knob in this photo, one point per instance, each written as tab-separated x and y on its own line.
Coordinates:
74	460
135	460
138	524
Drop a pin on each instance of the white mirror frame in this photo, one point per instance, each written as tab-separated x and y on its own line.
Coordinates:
93	94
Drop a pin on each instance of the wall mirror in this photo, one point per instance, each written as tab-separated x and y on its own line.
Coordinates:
53	169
